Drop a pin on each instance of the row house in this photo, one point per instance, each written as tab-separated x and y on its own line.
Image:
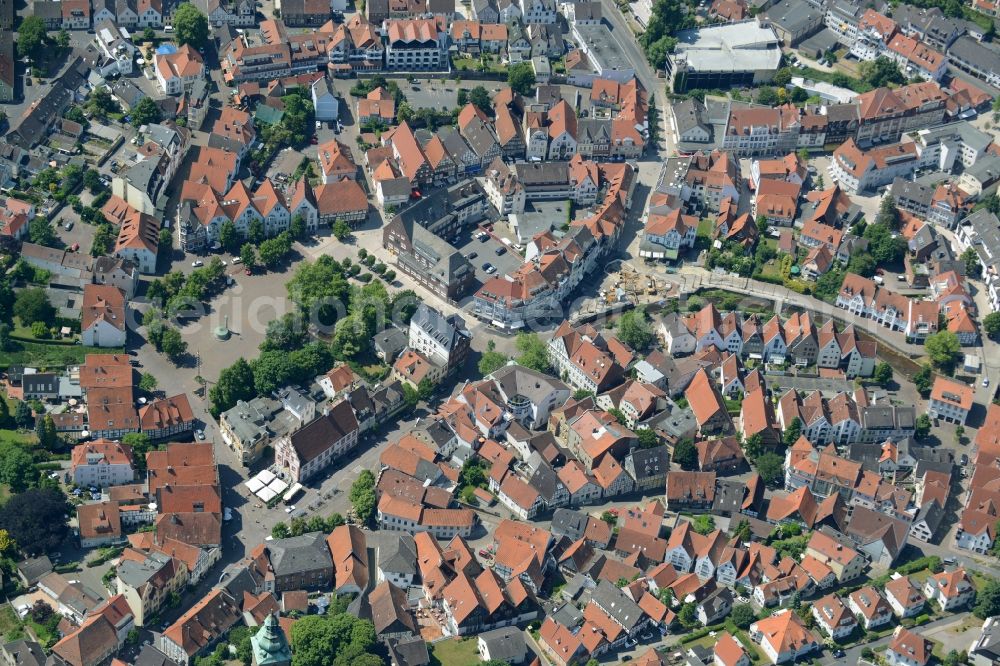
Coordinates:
758	131
886	114
859	171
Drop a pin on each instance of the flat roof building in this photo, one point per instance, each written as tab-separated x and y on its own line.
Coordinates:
722	56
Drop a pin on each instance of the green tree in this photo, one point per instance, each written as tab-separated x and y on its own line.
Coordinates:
703	524
140	445
480	97
274	250
148	34
491	360
922	427
533	352
286	333
229	239
36	519
17	469
248	255
5	344
943	348
280	531
255	231
521	78
881	72
742	533
48	437
40	232
882	374
991	323
362	496
172	344
33	305
6	422
235	383
767	96
987	598
648	438
190	26
634	329
792	432
688	615
685	454
771	468
165	241
104	240
23	416
888	214
297	227
884	247
31	37
146	111
783	77
862	264
973	268
463	97
743	615
753	446
147	382
425	389
923	380
341	230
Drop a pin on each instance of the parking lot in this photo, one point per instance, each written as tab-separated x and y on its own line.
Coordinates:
480	253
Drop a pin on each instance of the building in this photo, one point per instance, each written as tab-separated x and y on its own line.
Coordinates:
197	630
783	637
169	417
415	45
950	589
908	649
102	463
178	70
99	524
443	340
103	316
148	584
950	400
431	261
315	446
299	563
739	54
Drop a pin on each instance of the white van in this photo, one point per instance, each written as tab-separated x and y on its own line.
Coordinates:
168	28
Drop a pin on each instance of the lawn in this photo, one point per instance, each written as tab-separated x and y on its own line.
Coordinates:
50	355
10	626
455	652
474	64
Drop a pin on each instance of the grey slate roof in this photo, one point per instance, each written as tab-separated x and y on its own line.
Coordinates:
390	342
616	604
300	554
25	653
506	644
516	380
446	330
397	553
34	568
569	523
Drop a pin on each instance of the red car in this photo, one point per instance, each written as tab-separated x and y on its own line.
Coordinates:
249	272
483	552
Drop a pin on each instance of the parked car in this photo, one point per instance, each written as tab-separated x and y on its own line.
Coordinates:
473	255
197	263
501	250
68	226
200	435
